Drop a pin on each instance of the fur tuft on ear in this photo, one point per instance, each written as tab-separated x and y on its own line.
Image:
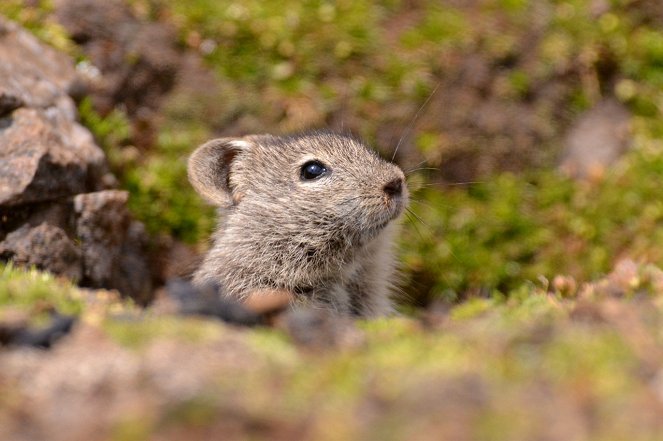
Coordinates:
209	169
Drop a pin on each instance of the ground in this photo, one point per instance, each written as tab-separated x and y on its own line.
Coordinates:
552	361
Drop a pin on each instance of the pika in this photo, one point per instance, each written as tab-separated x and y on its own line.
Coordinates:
312	214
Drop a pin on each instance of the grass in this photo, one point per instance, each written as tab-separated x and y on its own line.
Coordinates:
32	290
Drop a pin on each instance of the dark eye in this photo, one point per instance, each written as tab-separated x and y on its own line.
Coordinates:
313	170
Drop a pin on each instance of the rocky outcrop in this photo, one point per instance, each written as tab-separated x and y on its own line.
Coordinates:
57	209
132	62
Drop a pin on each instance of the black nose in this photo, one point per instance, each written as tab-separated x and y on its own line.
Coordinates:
394	187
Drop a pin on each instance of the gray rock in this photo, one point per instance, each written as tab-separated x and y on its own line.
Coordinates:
31	71
137	60
44	153
45	156
102	221
46	247
113	246
132	276
55	210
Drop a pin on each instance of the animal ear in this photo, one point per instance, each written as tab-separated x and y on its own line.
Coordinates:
209	169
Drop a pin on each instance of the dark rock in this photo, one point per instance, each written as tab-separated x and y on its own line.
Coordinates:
137	60
319	330
46	247
208	301
43	337
9	103
112	245
101	225
132	275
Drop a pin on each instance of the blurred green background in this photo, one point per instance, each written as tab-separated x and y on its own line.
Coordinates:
481	94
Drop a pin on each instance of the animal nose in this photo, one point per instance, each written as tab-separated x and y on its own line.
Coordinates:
394	187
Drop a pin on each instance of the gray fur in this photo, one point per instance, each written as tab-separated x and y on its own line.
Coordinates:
328	241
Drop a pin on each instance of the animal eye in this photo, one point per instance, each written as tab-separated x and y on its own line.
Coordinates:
313	170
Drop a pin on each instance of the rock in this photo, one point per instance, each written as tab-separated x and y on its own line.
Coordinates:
31	71
208	301
9	103
46	247
133	275
597	139
137	60
56	212
43	337
101	225
268	301
44	153
316	329
112	245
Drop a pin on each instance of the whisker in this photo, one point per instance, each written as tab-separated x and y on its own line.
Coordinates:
446	184
454	184
418	165
419	218
422	168
414	224
420	201
409	127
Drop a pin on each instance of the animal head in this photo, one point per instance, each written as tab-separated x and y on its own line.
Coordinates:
316	182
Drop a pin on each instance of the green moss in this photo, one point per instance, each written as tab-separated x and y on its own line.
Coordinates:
132	428
195	412
498	233
160	194
163	199
140	329
36	18
31	290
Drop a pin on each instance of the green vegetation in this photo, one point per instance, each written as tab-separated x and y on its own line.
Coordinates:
291	65
35	291
287	65
37	19
512	228
161	196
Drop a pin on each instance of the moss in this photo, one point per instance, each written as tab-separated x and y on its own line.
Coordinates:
195	412
132	428
36	18
138	329
512	228
32	290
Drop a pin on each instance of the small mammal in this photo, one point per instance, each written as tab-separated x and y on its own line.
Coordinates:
312	214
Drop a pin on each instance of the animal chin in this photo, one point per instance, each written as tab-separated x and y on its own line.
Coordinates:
372	231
